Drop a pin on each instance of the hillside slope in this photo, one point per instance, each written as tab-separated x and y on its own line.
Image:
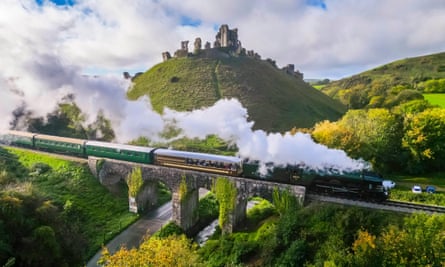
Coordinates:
276	101
390	84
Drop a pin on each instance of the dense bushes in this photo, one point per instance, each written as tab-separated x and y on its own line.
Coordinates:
407	139
33	228
433	86
53	212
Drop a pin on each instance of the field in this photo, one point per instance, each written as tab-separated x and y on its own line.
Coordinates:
319	87
436	99
402	191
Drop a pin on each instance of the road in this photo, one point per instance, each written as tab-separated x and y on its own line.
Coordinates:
132	236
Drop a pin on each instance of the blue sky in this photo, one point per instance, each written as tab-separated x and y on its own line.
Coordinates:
58	2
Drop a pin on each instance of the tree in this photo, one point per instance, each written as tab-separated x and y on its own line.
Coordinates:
374	135
42	248
101	128
334	135
364	249
174	250
419	242
424	139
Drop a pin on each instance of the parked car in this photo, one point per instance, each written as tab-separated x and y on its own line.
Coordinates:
388	184
417	189
430	189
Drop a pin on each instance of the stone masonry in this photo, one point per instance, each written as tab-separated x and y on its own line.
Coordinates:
110	172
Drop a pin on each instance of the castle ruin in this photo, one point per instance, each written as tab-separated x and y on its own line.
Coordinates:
226	41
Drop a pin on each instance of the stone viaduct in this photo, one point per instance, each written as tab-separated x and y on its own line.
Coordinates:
111	172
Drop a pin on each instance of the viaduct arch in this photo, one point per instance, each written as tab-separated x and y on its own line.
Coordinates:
109	172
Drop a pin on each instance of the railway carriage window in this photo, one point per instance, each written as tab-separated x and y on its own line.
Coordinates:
234	167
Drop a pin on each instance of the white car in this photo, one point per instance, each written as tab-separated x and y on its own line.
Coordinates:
417	189
388	184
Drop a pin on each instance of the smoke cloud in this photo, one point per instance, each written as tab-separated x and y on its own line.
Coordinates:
229	120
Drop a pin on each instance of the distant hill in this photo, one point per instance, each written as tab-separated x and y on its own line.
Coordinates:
390	84
275	100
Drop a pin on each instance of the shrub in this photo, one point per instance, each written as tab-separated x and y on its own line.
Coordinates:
208	207
169	229
40	168
260	211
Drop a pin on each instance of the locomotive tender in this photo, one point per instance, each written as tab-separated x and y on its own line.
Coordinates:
360	183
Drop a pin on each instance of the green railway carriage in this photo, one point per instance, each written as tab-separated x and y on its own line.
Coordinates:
60	144
17	138
119	151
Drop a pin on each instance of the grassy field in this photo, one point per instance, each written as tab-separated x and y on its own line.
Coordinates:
402	191
319	87
406	182
436	99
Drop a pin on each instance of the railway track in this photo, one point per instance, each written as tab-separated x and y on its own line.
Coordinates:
390	205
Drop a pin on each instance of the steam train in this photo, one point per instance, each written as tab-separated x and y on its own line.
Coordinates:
359	184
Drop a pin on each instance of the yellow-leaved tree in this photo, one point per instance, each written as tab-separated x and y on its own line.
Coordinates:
174	250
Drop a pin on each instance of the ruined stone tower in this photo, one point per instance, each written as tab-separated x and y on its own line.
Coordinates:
227	38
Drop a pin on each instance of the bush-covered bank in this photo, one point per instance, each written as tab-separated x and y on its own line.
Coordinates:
50	206
333	235
316	235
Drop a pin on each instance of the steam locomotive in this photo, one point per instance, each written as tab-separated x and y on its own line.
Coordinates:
359	183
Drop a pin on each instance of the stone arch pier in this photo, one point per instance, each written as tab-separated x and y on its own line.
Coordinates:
185	197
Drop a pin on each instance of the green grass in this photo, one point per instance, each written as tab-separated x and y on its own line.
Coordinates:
404	184
436	99
319	87
275	100
103	214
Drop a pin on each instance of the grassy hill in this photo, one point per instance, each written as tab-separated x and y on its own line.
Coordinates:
276	101
390	84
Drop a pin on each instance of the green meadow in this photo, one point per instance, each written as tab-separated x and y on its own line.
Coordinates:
436	99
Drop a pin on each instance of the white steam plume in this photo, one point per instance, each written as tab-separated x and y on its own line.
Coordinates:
228	120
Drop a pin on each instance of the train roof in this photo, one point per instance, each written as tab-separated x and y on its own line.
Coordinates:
196	155
119	146
373	178
60	139
355	175
22	134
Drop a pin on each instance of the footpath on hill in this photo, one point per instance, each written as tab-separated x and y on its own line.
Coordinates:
133	235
